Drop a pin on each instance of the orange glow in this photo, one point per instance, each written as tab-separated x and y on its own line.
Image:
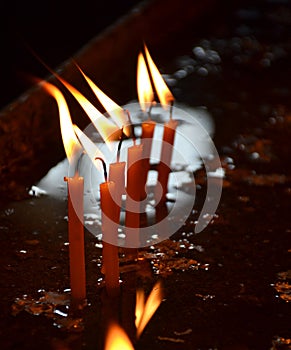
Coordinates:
163	92
147	309
113	109
117	339
144	86
105	127
70	141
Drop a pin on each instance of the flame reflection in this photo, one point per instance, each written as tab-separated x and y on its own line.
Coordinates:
145	310
117	339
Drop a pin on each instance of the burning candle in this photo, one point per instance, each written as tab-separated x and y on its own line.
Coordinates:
166	98
133	192
110	220
117	173
164	167
133	185
146	98
75	200
148	128
76	239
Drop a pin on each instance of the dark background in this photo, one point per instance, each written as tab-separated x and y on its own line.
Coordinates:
54	30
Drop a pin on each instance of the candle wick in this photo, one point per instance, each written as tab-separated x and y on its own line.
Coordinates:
121	138
171	109
153	103
104	167
132	127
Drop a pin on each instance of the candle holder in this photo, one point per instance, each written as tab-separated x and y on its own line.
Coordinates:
192	149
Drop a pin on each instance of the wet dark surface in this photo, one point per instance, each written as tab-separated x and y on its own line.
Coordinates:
224	287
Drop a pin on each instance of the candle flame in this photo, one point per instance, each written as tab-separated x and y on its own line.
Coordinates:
70	141
163	92
113	109
106	128
145	310
89	146
144	87
117	339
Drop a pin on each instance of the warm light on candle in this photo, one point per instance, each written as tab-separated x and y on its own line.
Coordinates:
165	96
145	310
117	339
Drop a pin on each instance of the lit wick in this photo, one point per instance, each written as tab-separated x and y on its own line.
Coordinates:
171	109
119	146
153	103
104	167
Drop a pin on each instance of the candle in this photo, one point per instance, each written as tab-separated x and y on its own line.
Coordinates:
164	168
110	211
76	239
117	173
166	98
146	99
73	149
148	128
133	190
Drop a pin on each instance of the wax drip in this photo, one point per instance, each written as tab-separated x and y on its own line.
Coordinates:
104	167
